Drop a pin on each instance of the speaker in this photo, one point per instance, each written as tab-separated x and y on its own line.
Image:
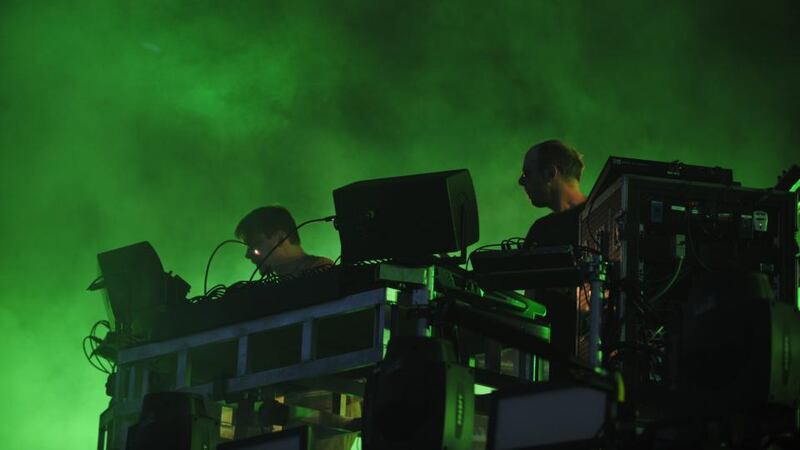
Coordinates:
419	399
406	217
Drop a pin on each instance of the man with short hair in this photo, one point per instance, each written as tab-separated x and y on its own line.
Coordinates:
270	232
551	174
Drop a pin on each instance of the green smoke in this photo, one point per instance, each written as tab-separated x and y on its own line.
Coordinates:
167	121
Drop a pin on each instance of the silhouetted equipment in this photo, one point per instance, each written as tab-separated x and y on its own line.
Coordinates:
617	166
789	179
556	272
736	348
297	438
251	300
173	421
137	290
408	217
580	413
702	316
697	312
539	267
419	398
636	221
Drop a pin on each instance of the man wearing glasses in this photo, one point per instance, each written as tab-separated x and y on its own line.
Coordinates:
551	174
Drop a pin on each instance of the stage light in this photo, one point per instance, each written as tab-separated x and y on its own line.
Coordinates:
299	438
418	398
548	415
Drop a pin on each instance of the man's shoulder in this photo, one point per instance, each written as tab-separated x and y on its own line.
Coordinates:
556	218
315	262
556	228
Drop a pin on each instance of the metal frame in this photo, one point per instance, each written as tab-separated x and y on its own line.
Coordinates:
617	212
132	376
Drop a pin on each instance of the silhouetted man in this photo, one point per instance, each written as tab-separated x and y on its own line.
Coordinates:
270	231
551	174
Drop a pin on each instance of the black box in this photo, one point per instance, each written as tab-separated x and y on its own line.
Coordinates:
406	217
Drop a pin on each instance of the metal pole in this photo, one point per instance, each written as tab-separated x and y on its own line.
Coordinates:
596	272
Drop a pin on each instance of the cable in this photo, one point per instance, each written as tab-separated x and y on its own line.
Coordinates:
208	265
513	243
94	343
97	341
669	285
690	239
89	357
589	228
466	267
294	232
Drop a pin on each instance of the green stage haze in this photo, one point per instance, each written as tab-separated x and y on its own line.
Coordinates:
167	121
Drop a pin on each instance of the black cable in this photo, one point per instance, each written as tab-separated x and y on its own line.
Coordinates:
210	258
294	232
466	266
691	242
513	243
94	343
270	252
89	357
589	228
669	285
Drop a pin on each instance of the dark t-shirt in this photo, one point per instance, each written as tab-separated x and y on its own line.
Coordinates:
302	266
558	229
555	229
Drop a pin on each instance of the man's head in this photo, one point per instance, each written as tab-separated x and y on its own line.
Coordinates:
551	170
265	228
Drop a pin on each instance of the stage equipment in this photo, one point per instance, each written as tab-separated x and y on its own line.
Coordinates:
579	414
551	267
418	398
665	234
536	267
298	438
247	300
736	348
137	290
406	218
617	166
325	340
173	421
789	180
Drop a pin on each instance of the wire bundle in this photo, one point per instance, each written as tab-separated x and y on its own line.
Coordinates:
93	344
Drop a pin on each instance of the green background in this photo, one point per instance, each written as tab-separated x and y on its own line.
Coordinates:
123	121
